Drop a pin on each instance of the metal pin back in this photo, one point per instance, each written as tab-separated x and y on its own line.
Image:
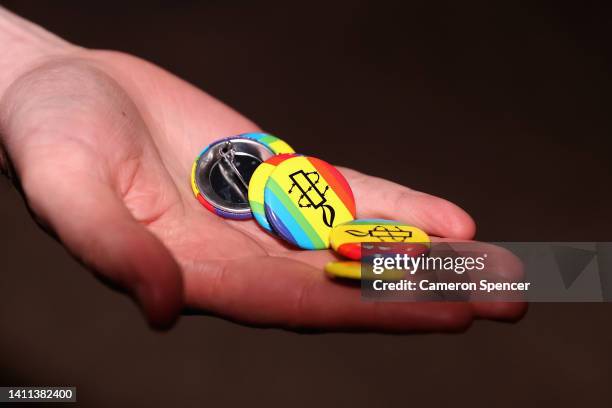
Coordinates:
221	173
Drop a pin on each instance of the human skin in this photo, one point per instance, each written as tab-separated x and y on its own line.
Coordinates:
101	143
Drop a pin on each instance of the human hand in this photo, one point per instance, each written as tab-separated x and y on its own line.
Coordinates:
102	143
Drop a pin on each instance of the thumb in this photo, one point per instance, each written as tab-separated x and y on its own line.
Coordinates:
96	227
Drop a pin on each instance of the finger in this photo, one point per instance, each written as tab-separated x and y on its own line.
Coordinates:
501	266
267	291
97	228
379	198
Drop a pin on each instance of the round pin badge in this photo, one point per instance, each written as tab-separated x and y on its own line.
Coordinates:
257	186
343	269
305	198
221	173
353	238
352	270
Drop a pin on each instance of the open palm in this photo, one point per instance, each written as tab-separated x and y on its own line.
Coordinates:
102	145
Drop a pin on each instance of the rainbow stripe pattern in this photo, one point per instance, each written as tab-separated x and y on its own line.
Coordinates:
304	199
257	186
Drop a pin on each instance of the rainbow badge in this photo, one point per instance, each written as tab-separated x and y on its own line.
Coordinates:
305	198
347	239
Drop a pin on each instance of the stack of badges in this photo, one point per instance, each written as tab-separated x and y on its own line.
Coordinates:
302	200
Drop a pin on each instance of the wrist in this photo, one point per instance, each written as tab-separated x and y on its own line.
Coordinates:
23	46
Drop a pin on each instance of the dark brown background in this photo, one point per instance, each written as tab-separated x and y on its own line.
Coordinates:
503	109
